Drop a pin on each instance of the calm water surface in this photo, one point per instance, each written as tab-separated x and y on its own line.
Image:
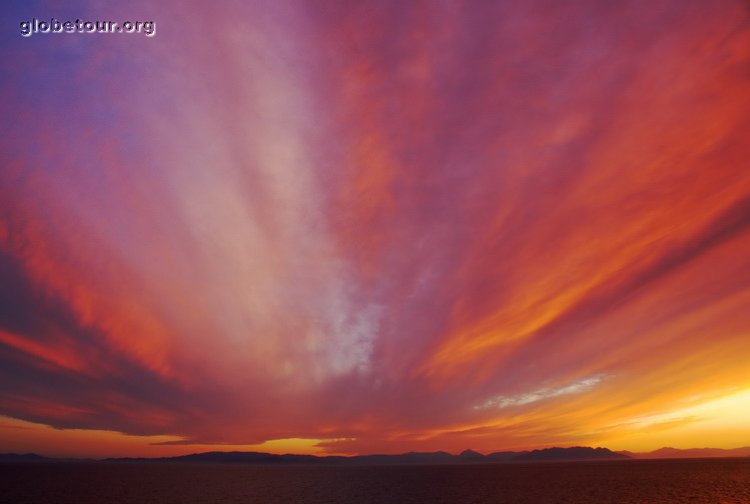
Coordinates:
716	481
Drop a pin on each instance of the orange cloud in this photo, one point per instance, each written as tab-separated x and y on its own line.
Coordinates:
378	228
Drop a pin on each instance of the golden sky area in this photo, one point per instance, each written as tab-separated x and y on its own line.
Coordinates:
359	227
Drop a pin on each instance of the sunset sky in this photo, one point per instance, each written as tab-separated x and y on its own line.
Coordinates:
375	226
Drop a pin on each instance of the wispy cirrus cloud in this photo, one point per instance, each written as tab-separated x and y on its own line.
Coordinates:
384	227
540	394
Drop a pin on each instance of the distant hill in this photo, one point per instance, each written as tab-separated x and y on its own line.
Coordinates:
425	458
23	457
26	458
270	458
573	453
414	458
471	456
667	452
225	458
429	458
504	456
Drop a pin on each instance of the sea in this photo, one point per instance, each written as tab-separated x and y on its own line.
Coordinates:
686	481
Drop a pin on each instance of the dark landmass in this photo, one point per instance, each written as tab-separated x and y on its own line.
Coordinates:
504	456
411	458
27	458
430	458
23	457
576	453
270	458
439	457
471	456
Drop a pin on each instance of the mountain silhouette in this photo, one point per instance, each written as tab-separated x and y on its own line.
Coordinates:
23	457
504	456
471	456
416	458
574	453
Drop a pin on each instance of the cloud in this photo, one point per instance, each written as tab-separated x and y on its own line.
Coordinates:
540	394
383	227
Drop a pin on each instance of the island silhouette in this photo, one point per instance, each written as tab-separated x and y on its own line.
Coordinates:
554	454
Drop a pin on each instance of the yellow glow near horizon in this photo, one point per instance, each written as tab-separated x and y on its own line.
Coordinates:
20	436
716	423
